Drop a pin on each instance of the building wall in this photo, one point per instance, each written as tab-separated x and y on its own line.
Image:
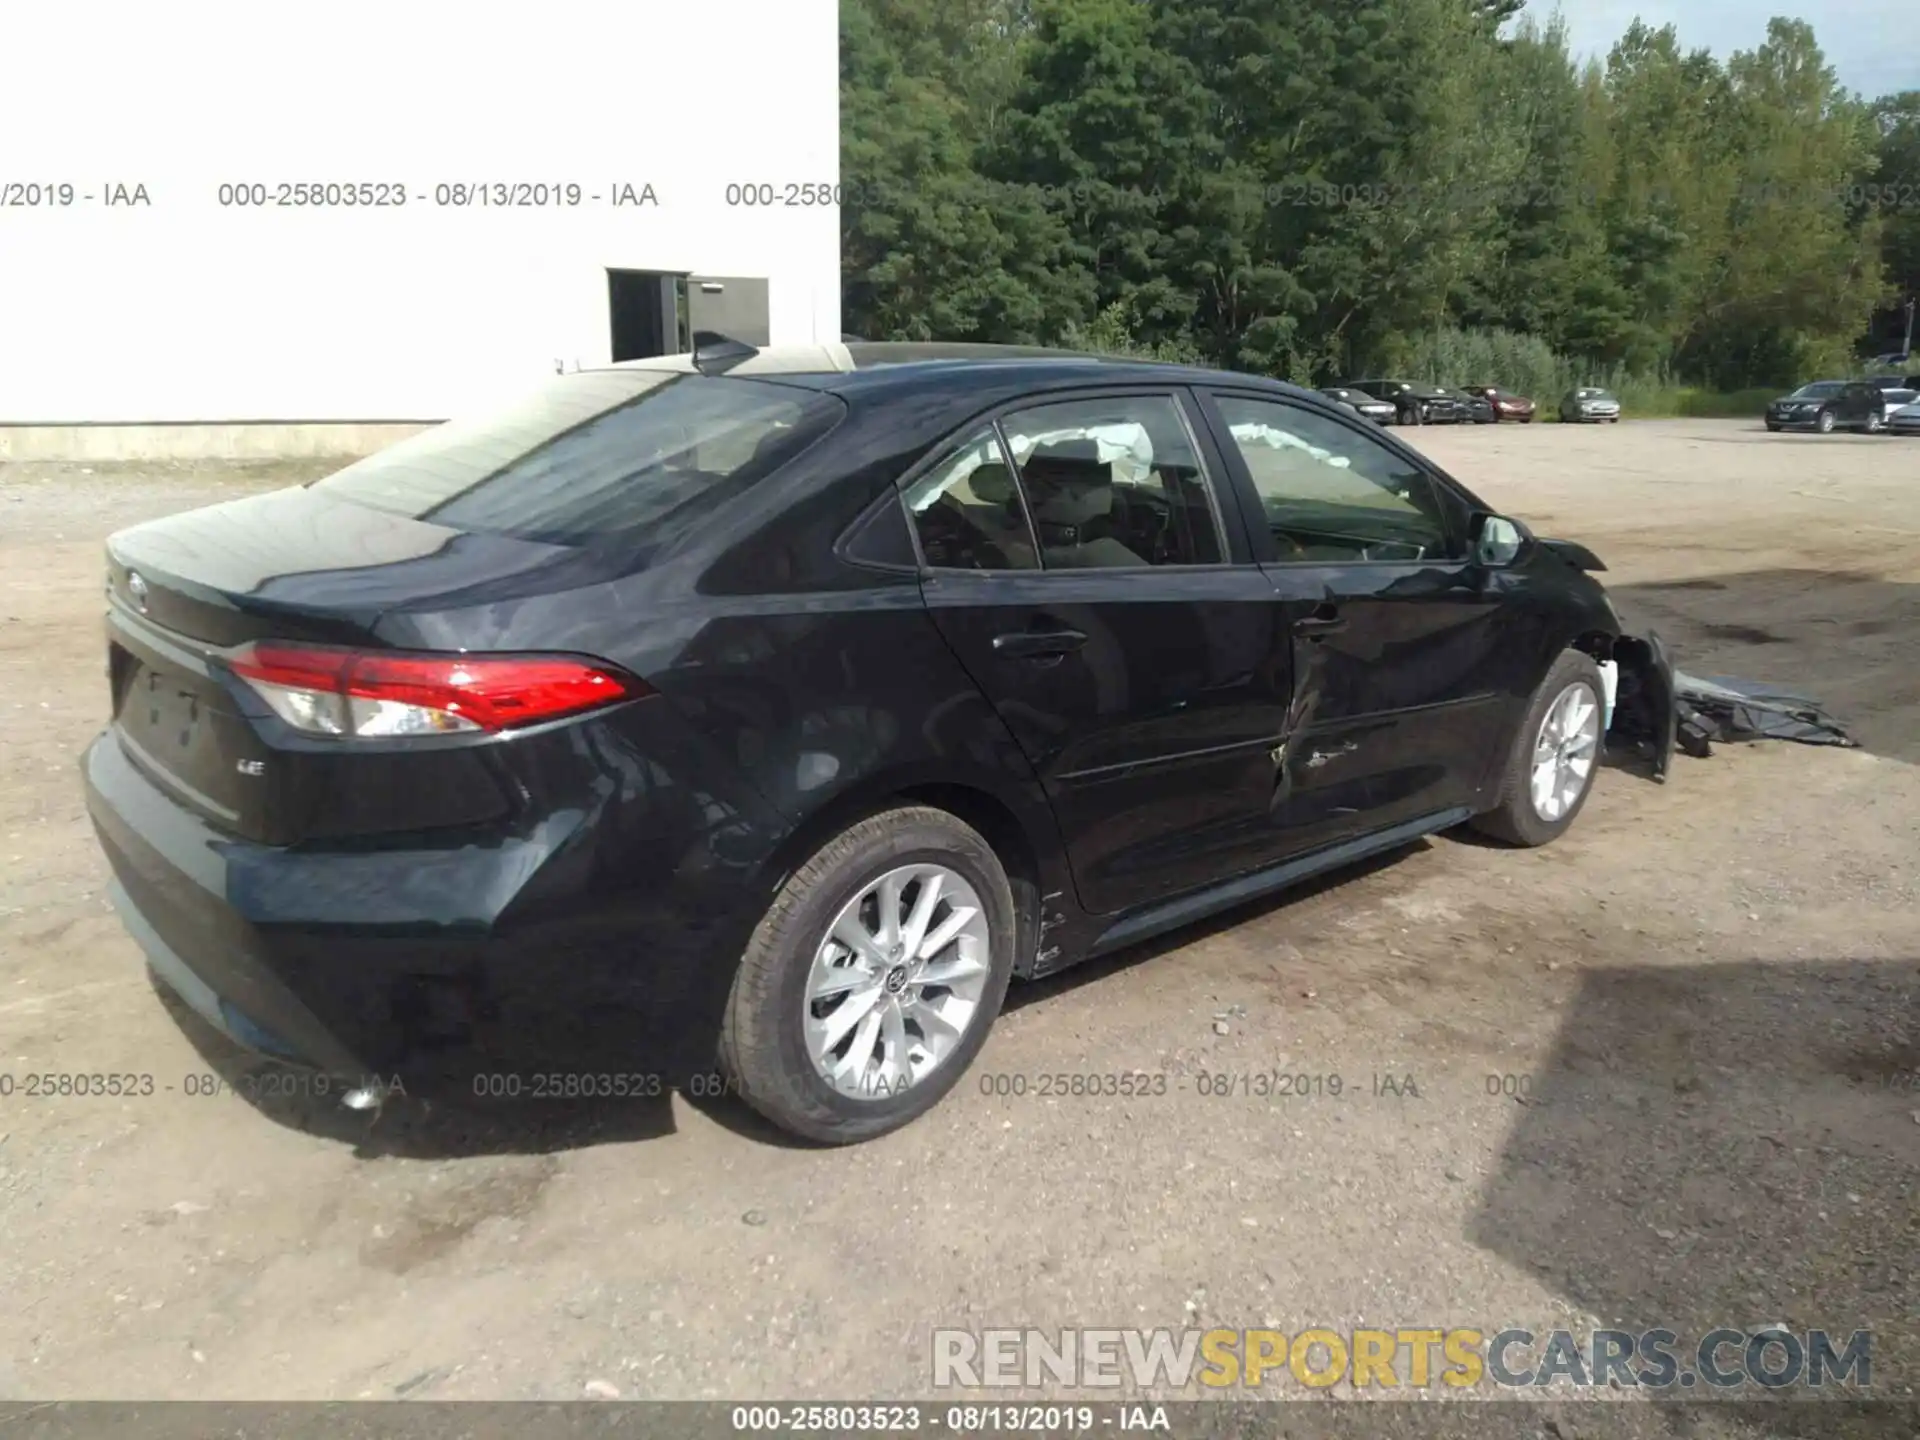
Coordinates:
184	309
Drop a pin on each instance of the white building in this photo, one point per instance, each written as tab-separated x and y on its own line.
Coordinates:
219	214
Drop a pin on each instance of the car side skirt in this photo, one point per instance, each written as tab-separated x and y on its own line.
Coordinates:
1198	905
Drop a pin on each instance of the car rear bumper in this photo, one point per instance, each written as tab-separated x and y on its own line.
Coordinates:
437	960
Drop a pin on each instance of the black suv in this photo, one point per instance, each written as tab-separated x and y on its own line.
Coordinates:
770	711
1415	402
1829	405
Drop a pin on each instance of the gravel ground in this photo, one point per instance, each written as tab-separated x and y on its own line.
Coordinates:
1706	990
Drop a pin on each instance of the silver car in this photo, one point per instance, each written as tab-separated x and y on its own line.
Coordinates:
1897	400
1905	420
1589	404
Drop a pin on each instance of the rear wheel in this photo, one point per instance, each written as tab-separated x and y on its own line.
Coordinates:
870	984
1549	772
1875	424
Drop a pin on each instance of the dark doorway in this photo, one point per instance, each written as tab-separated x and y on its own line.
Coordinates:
647	310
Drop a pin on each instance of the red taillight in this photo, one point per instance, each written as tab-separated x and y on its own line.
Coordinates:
326	691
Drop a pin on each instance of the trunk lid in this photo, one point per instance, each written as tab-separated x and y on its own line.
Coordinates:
288	565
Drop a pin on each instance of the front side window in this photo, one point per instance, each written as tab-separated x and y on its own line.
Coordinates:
1331	493
1114	483
968	513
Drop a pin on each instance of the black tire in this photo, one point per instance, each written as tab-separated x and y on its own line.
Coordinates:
1513	817
762	1046
1772	428
1874	424
1825	423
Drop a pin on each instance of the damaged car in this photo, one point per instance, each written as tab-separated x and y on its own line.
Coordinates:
760	715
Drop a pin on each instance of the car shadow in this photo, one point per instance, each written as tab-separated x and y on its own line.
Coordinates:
1725	1145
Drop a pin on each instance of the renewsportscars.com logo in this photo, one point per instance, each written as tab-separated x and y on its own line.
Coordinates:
1160	1360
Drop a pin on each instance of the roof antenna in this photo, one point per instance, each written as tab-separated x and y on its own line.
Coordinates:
715	354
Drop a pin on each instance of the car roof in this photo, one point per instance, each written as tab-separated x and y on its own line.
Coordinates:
868	367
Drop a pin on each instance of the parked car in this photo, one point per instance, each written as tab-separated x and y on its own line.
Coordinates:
1828	405
1414	402
1476	409
1893	401
1905	420
1589	405
773	709
1381	412
1506	404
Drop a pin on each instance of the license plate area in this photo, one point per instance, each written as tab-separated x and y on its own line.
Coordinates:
168	713
184	731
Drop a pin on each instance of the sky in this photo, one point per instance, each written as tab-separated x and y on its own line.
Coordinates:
1874	45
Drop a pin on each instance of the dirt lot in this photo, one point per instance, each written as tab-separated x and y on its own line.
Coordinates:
1708	989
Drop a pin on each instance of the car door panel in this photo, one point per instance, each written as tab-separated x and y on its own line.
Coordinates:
1404	666
1149	698
1397	713
1152	735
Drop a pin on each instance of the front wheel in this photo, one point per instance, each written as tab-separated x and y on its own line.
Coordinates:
1549	773
1825	423
871	982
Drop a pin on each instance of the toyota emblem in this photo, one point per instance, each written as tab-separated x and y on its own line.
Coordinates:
137	588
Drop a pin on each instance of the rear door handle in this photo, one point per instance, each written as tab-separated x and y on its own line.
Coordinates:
1325	620
1038	644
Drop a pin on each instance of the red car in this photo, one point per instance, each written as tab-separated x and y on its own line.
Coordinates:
1506	404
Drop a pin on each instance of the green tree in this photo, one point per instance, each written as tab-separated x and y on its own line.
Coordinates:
927	252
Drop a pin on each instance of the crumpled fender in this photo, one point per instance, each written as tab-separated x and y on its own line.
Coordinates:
1645	718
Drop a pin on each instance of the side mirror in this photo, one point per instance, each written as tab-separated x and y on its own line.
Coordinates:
1497	541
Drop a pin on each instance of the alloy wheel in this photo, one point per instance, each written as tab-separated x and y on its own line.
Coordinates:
1564	751
896	984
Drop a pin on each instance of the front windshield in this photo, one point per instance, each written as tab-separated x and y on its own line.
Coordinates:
1819	390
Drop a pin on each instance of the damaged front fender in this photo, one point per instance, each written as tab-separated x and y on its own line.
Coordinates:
1645	719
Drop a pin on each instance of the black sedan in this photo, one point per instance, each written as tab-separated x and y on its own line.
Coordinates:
1381	412
1829	405
752	719
1415	402
1479	408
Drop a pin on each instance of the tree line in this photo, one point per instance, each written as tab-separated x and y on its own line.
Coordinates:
1322	188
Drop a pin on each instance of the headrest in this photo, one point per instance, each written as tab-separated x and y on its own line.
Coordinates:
1050	470
992	484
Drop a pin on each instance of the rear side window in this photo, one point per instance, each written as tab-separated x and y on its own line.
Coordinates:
598	455
968	511
1114	483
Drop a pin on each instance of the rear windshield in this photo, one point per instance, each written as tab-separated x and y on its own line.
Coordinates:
597	455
